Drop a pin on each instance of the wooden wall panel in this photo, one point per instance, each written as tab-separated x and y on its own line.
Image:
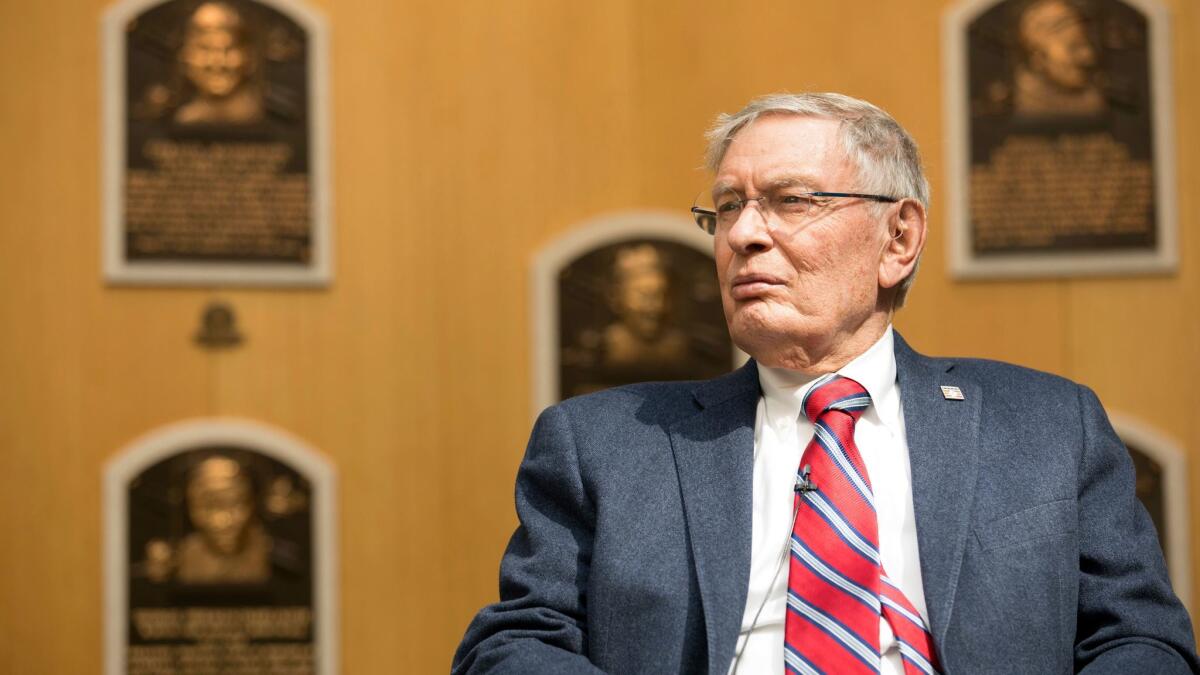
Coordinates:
84	368
465	136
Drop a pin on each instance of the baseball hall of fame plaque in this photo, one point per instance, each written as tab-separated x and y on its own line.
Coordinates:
629	298
1060	154
219	554
216	167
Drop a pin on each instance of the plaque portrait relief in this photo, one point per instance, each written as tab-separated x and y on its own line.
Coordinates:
219	555
215	500
216	159
1060	124
631	298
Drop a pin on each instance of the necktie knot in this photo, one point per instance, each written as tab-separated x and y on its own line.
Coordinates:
834	392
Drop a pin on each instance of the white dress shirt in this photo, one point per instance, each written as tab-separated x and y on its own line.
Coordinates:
781	433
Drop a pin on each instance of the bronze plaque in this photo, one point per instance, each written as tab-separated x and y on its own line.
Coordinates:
639	310
1060	148
221	163
221	565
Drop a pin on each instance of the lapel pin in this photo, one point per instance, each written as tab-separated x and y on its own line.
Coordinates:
952	393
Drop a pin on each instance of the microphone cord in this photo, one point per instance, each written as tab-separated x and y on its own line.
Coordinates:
787	549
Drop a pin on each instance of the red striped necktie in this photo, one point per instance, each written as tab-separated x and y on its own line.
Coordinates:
837	587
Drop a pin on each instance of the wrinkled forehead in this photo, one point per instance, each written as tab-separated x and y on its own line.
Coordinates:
784	150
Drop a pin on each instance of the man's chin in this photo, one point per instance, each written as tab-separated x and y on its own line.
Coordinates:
769	336
757	335
757	316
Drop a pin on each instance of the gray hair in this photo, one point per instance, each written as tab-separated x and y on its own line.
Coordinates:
884	153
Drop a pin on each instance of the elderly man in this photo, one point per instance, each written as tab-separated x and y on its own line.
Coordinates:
842	504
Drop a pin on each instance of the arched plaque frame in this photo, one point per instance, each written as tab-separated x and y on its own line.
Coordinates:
318	271
173	439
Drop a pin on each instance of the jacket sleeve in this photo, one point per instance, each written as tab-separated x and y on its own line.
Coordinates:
539	624
1129	620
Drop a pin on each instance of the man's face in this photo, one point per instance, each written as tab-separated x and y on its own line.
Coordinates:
811	285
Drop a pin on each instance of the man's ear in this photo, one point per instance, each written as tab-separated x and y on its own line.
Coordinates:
906	240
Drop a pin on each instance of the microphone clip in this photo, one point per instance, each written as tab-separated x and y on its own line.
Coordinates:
804	483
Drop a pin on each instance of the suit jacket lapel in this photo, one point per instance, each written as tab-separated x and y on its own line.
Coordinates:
943	446
714	456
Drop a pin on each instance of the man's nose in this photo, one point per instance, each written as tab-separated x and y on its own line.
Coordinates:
750	233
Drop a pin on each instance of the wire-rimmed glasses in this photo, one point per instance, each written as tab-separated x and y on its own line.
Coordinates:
791	206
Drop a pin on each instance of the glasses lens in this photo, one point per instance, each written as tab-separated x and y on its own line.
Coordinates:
705	212
793	205
713	211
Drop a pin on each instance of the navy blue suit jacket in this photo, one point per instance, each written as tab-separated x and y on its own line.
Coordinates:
633	553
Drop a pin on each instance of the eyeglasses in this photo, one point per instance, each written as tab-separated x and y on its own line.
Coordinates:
789	206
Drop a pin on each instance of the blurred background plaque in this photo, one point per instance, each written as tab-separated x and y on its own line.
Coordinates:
627	298
216	163
1060	160
640	310
215	541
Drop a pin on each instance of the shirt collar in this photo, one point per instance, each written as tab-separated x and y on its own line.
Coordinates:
874	369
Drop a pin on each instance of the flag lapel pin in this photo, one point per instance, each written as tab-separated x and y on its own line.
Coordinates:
952	393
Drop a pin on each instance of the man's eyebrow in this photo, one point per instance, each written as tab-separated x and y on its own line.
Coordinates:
722	186
775	183
789	181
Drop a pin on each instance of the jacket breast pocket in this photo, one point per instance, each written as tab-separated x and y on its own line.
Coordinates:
1035	523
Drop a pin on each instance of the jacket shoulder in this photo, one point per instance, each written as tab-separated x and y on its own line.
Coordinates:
1002	373
1015	386
655	398
661	403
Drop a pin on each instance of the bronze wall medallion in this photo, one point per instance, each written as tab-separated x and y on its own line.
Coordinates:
218	327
